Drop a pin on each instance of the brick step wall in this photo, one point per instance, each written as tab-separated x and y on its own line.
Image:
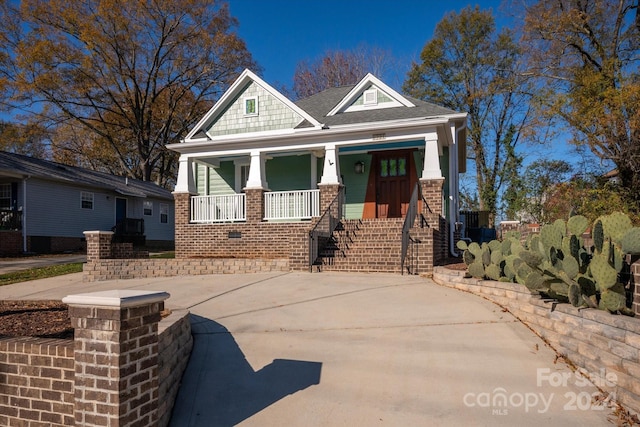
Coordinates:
374	246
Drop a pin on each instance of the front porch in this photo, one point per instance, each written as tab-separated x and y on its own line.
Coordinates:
310	229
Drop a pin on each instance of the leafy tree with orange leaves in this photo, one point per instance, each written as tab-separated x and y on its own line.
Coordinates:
117	80
588	54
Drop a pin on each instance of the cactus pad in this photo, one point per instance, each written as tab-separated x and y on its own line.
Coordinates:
605	275
616	225
598	235
613	299
476	269
533	259
467	257
534	281
493	272
577	225
462	245
630	242
575	296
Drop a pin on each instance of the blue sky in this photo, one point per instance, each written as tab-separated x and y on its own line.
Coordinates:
281	33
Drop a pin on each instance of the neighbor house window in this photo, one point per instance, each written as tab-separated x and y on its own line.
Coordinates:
5	196
147	208
86	200
164	213
251	106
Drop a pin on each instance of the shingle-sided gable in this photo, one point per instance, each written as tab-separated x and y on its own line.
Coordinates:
269	114
370	94
250	106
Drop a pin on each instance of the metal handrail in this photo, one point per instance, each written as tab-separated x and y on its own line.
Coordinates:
409	222
326	225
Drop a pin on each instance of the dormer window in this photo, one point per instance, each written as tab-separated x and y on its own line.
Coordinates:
251	106
371	97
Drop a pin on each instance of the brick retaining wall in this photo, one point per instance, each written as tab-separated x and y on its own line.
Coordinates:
594	340
175	343
40	384
117	269
36	382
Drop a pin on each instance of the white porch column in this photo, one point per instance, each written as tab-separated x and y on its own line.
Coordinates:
431	168
257	177
331	169
186	182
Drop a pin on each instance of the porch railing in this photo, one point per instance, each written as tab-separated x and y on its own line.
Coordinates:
288	205
10	219
129	230
227	208
321	234
409	221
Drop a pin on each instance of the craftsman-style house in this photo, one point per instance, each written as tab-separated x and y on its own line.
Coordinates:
355	178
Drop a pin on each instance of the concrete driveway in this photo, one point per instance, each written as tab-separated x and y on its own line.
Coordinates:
331	349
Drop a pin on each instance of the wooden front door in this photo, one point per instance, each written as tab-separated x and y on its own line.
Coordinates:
393	183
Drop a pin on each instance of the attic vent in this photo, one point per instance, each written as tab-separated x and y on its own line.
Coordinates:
371	97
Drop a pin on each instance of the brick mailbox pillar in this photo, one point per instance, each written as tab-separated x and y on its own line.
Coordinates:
116	356
98	244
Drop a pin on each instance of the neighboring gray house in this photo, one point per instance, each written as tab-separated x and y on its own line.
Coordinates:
46	206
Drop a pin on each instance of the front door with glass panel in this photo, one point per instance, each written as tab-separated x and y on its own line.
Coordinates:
393	186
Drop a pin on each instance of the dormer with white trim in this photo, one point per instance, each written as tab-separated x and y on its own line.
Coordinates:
370	94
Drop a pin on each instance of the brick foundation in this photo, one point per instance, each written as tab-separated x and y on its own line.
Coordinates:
10	243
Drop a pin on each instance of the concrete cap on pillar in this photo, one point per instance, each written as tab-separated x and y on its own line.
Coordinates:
117	298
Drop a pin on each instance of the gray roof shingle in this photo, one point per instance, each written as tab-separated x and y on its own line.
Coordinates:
320	104
24	165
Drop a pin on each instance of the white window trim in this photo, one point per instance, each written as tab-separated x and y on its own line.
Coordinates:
82	199
166	208
144	207
6	187
244	106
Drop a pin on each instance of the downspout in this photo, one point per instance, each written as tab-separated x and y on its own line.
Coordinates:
24	213
454	180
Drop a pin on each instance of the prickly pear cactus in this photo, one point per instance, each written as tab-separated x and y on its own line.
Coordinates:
613	299
476	269
630	242
598	236
604	274
557	264
577	225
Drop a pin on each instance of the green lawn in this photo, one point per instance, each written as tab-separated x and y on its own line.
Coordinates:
40	273
55	270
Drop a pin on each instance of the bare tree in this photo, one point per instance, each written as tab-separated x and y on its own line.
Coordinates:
339	68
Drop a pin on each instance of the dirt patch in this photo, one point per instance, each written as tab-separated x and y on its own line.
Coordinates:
43	319
455	264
